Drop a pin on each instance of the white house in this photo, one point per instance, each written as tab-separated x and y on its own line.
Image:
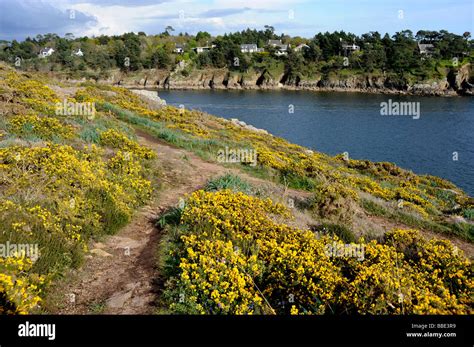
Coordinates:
350	48
301	47
179	48
426	48
46	52
203	49
281	48
249	48
78	53
274	43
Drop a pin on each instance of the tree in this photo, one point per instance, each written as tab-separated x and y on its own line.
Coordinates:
64	54
168	29
313	53
294	66
403	55
270	28
202	36
160	59
132	50
203	60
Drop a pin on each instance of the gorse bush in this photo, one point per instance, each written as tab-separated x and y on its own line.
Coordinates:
116	139
233	256
74	192
18	289
333	200
59	196
45	128
32	93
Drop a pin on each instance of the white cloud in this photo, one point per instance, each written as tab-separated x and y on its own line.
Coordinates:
184	15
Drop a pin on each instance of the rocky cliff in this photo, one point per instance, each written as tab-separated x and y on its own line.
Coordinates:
458	81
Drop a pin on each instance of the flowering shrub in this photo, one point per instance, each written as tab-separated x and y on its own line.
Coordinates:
335	200
45	128
18	289
442	264
57	197
81	176
217	279
119	96
235	256
33	93
119	140
128	173
184	120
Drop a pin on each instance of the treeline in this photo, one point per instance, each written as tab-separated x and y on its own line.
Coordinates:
324	52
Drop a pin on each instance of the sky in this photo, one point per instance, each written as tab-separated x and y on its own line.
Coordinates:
22	18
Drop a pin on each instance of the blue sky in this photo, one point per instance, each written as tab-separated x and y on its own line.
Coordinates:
22	18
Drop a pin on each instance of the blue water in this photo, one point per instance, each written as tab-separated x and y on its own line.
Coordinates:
351	122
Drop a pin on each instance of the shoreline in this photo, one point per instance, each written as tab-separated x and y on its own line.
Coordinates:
295	89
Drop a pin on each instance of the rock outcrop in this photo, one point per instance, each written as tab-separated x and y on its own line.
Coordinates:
459	81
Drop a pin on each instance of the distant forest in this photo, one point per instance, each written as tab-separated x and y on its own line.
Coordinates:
325	52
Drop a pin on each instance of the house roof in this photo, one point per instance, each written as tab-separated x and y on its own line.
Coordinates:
274	42
425	46
248	46
301	46
46	49
350	46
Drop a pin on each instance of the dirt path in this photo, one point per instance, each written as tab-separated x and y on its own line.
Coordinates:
119	274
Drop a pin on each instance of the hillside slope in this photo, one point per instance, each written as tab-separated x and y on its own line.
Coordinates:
70	177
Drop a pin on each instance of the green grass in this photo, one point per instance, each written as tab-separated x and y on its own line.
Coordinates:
344	233
171	217
298	182
228	181
97	307
463	230
90	134
468	213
